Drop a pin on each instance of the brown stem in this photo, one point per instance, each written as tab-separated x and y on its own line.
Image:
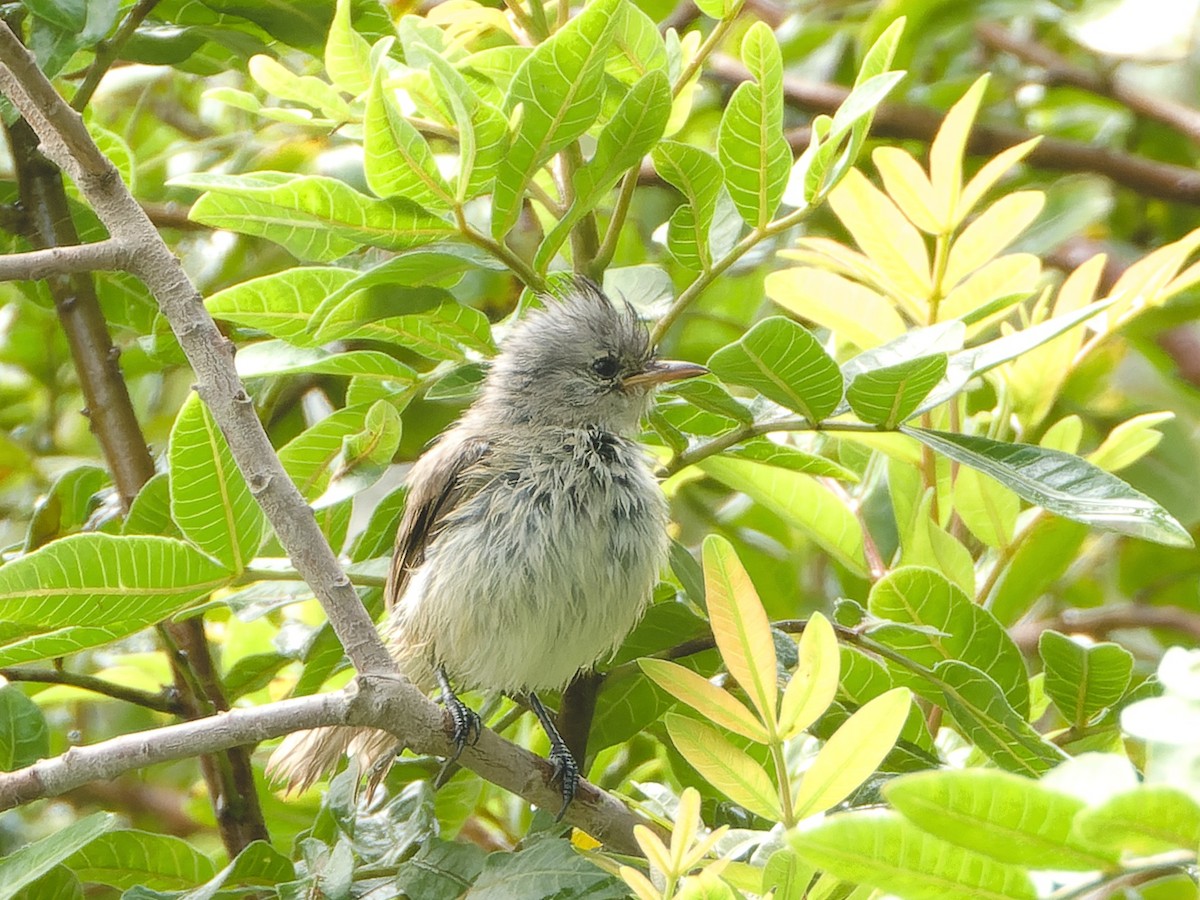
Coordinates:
1099	623
1058	70
164	701
574	718
108	51
1164	181
48	224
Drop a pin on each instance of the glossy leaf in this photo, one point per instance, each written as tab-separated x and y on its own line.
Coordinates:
987	719
89	589
740	627
1061	483
127	858
29	863
853	753
281	304
558	90
940	622
24	737
1151	818
785	363
800	500
814	684
396	159
706	698
890	395
886	852
1004	816
1084	679
209	498
728	769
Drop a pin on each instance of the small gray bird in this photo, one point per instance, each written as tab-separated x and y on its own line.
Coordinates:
533	534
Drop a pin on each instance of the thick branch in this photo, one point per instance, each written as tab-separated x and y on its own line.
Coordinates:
415	721
892	120
104	256
378	702
1058	70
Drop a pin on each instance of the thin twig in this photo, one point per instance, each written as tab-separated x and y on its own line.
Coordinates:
164	701
1059	70
108	51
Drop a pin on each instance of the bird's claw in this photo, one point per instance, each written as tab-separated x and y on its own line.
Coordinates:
566	774
467	725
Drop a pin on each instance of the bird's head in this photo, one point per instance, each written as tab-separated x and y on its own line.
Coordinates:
579	361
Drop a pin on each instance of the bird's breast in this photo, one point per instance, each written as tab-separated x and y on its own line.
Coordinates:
548	566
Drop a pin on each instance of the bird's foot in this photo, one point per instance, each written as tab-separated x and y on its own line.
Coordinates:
566	774
566	770
467	726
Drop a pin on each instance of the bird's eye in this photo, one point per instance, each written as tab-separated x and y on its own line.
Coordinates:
606	366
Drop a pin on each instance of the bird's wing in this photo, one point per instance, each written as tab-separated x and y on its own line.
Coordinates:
438	482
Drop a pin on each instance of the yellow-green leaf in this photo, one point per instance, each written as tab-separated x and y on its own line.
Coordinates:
1014	275
1129	442
815	681
853	753
909	186
946	154
728	769
884	235
994	230
347	53
850	310
705	697
740	626
991	172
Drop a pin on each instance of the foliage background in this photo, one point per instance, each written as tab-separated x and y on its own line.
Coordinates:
204	91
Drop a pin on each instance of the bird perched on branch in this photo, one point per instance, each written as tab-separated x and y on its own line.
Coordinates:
533	534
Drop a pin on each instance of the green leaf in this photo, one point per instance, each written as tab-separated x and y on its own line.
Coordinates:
728	769
715	704
347	53
59	883
637	47
309	457
750	142
769	453
1150	819
280	358
24	738
559	91
939	622
315	217
396	159
29	863
801	501
814	684
890	395
886	852
986	507
988	721
740	626
1062	484
785	363
718	9
426	320
549	868
282	304
698	176
632	131
150	512
123	859
1084	680
281	82
853	753
210	501
89	589
259	865
1004	816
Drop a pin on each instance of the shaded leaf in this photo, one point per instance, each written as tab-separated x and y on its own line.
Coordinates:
1083	680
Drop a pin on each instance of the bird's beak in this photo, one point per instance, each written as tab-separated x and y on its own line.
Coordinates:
662	371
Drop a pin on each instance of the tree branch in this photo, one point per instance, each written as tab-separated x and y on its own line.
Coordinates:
1099	623
893	120
1058	70
108	51
103	256
164	701
370	701
409	715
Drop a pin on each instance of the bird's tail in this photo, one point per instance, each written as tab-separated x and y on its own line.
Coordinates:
305	757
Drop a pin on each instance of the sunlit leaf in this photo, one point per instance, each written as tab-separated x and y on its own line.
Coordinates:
946	154
888	396
1151	818
814	684
1083	680
728	769
853	753
705	697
